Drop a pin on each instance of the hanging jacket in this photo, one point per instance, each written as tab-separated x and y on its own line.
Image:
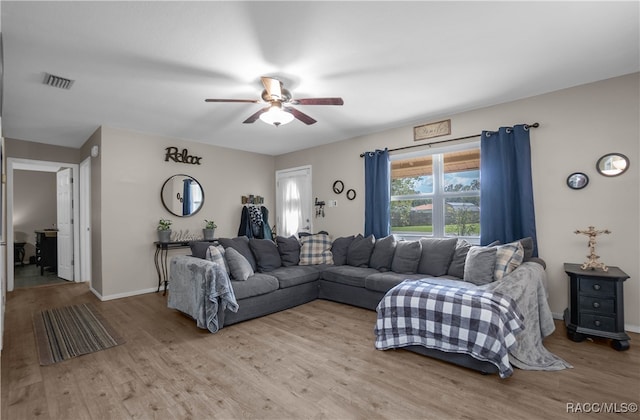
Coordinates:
254	223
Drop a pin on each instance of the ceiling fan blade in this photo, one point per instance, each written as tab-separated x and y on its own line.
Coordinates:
301	116
273	87
318	101
255	116
253	101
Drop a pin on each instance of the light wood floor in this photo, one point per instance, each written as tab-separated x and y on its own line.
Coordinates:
316	361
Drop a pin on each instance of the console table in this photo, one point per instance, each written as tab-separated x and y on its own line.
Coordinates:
597	305
162	249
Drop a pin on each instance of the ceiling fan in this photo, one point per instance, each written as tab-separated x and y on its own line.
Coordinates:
280	110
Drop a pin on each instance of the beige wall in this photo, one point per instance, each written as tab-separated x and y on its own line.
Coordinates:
578	125
133	169
39	151
34	206
96	208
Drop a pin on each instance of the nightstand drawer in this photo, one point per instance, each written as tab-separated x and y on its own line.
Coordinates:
597	322
597	304
597	287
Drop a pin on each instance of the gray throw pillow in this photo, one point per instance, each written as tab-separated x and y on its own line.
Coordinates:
407	257
436	255
289	249
240	244
359	251
527	244
382	255
266	253
339	249
239	267
456	268
480	264
199	249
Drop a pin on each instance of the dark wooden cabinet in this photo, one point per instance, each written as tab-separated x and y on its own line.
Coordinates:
597	305
47	250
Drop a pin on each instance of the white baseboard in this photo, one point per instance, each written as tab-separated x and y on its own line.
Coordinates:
627	327
122	295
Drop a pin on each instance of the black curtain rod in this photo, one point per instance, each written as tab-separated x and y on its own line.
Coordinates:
534	125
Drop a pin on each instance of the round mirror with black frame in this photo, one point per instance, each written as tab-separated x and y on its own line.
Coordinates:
182	195
577	180
612	164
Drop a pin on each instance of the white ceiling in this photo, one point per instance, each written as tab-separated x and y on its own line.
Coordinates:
148	66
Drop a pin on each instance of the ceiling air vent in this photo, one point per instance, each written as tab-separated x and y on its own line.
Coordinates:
57	81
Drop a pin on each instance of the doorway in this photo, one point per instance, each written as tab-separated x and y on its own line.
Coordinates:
293	201
72	252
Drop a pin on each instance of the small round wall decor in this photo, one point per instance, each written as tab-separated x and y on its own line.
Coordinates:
338	187
351	194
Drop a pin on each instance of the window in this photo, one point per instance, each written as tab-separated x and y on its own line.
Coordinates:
437	193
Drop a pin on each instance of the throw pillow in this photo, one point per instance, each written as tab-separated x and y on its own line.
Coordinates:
360	250
508	258
436	255
480	264
199	249
456	268
266	253
406	257
215	253
527	244
239	267
240	244
315	249
289	249
339	249
382	255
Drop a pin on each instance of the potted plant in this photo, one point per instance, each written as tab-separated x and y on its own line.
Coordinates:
209	230
164	230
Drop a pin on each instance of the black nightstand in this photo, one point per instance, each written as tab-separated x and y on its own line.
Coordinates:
597	305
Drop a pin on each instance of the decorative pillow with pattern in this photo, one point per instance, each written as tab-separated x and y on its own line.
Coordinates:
508	258
215	253
315	249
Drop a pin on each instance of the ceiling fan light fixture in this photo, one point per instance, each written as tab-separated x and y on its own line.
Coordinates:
276	115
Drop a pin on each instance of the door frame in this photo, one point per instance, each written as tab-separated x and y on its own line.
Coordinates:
45	166
85	220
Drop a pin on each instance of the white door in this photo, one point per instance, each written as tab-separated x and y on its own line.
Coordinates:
65	223
293	201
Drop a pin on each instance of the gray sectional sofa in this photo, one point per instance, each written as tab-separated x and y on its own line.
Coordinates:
274	276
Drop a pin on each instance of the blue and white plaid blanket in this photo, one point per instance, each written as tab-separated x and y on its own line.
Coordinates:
480	323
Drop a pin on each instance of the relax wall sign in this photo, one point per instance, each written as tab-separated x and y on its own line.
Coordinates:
181	157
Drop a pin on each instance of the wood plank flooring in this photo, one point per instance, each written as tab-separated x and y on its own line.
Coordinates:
316	361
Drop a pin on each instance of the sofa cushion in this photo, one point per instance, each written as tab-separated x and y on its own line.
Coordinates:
240	244
508	258
456	268
315	249
255	285
407	257
346	274
266	253
437	254
239	267
480	264
339	249
199	249
360	250
382	255
295	275
289	249
382	282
